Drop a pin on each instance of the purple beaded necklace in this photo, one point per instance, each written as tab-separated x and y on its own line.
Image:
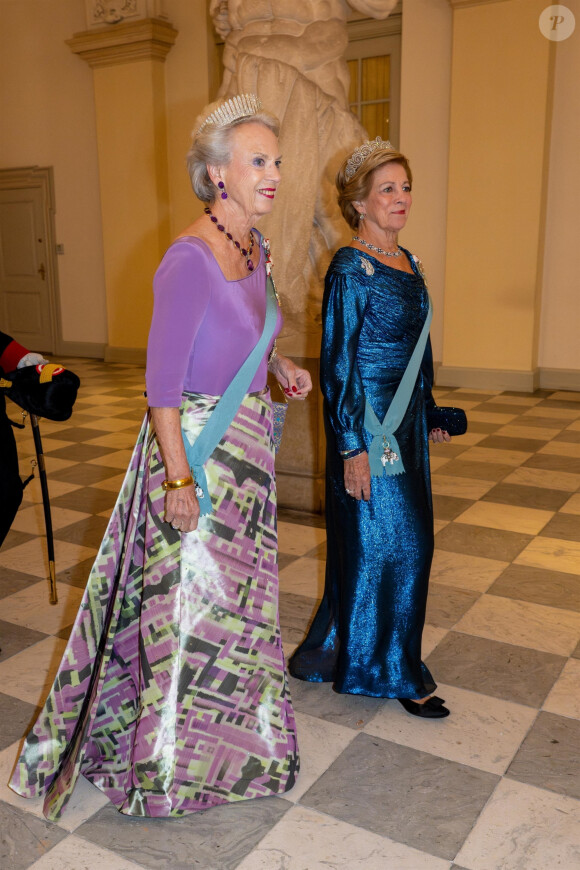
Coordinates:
246	253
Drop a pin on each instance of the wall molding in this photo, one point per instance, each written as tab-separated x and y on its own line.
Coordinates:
146	39
560	379
487	379
371	28
84	349
463	4
135	356
502	379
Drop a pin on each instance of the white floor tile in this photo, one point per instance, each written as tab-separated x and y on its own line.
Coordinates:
296	540
32	557
432	637
511	518
481	731
556	413
307	840
320	743
304	577
437	462
465	572
564	697
31	519
33	492
116	440
74	853
492	454
523	624
524	828
564	480
85	801
119	459
29	675
30	608
539	433
572	506
460	487
552	554
561	448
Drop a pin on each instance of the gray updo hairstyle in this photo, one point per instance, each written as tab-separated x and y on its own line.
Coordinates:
212	147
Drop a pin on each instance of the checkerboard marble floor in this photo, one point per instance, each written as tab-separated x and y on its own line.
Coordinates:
495	785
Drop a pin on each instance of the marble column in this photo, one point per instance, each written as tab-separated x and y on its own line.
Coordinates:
127	61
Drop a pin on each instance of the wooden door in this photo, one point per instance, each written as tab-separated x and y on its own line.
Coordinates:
27	263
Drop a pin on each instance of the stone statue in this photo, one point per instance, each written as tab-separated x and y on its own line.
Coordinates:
291	54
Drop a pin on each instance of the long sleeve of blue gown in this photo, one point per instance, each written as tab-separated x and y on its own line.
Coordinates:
343	311
428	376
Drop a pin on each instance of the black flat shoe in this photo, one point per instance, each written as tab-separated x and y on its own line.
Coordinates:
431	709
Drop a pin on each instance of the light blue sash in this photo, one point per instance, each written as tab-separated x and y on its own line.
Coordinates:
384	452
224	412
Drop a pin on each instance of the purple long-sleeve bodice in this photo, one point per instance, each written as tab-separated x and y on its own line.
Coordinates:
203	326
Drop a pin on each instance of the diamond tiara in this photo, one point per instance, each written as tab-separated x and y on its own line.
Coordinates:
240	106
360	154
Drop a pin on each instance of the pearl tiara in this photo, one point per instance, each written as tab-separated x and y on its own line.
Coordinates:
240	106
360	154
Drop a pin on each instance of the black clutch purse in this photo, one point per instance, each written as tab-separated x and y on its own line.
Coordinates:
452	420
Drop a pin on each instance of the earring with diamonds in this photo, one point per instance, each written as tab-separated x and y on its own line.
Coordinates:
222	187
361	216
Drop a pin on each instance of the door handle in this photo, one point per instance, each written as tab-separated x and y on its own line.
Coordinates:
42	271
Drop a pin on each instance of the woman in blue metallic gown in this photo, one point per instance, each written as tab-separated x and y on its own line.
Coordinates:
366	635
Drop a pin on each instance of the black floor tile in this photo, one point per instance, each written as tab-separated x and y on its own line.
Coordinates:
24	838
502	670
16	716
373	784
527	496
14	638
216	839
549	757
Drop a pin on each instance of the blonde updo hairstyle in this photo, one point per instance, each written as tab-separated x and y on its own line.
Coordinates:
212	147
360	184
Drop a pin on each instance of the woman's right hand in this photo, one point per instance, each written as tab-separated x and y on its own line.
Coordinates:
182	509
357	477
181	505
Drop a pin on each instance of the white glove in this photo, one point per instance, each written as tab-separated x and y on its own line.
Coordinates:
31	359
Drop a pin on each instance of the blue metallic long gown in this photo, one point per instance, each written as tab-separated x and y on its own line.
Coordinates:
366	635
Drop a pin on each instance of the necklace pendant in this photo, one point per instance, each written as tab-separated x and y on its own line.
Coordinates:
389	456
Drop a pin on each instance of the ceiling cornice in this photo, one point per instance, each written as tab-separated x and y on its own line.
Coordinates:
148	38
462	4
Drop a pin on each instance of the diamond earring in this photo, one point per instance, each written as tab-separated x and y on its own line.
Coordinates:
222	187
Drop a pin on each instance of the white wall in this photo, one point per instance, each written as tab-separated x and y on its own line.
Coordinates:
425	104
560	322
47	112
186	87
47	108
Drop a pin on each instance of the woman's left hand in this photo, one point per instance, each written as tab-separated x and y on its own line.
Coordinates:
295	382
438	436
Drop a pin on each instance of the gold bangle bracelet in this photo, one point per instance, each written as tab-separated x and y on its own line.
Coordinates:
177	484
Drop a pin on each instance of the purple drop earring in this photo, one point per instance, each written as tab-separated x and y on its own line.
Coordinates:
222	187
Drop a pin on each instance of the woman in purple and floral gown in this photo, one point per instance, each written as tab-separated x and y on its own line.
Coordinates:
172	694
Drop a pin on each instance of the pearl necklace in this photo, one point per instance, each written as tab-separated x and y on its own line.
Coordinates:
374	248
246	253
